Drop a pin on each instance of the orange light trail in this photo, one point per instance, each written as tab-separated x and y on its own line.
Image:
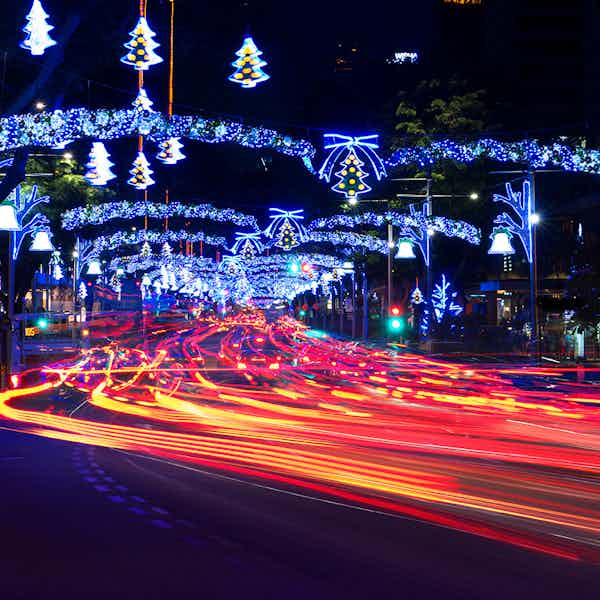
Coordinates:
454	444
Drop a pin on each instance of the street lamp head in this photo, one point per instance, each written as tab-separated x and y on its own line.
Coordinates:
535	219
405	249
40	105
75	254
352	201
501	242
8	217
474	196
41	242
68	156
94	268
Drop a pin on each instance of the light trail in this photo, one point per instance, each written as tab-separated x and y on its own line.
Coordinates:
468	447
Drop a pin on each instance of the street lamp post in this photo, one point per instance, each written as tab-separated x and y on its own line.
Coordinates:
523	204
13	212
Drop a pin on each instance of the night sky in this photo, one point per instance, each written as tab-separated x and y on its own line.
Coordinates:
304	95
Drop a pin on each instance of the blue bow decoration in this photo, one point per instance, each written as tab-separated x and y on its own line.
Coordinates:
364	146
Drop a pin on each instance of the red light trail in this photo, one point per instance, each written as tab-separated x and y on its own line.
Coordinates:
506	453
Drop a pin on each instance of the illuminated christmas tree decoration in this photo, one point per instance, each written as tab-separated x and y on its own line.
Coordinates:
417	296
286	228
146	250
352	178
99	166
142	102
247	245
356	152
141	46
248	66
82	292
141	173
170	151
37	30
166	250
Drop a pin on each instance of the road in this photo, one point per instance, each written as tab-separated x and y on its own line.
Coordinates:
86	522
167	464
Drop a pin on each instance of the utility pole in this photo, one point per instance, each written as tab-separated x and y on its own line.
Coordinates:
536	337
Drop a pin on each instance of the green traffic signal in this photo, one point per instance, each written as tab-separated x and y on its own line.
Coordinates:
396	325
42	323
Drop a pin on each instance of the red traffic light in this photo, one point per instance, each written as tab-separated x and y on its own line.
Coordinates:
395	311
306	267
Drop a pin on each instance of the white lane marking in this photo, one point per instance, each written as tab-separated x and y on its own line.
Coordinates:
77	408
288	492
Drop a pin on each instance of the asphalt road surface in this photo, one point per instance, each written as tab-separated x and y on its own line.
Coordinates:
86	522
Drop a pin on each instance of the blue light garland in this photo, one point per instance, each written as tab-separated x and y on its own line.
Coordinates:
102	213
104	243
55	128
447	227
528	152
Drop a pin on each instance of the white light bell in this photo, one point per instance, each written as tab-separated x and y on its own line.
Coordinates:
8	217
94	268
41	242
405	249
501	243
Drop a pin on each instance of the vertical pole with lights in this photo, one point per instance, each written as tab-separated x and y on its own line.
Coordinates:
523	203
427	240
390	242
533	274
13	213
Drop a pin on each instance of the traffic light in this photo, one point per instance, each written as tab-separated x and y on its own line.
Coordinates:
396	325
396	322
294	267
42	324
306	268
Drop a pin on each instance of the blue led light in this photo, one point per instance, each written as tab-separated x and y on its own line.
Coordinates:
356	151
50	129
520	202
248	66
